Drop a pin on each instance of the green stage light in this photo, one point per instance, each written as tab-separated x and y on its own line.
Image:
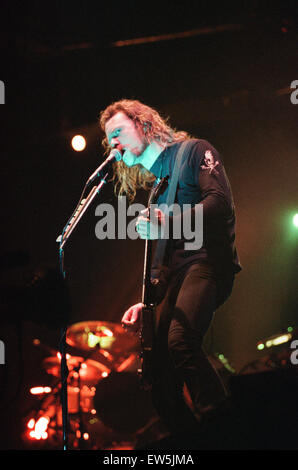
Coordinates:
295	220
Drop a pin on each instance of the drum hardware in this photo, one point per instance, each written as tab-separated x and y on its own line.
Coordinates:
109	348
46	423
80	433
89	370
83	376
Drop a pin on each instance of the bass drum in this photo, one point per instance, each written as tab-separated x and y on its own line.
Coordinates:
121	404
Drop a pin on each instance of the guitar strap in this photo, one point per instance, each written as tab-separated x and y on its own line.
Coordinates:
159	256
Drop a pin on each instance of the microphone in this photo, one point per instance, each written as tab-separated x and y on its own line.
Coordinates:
115	156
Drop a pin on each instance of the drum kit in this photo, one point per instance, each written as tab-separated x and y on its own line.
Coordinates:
105	402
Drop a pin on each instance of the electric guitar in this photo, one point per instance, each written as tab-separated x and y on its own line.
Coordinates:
149	303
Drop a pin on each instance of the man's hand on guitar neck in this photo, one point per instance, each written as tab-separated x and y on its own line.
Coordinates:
153	228
131	319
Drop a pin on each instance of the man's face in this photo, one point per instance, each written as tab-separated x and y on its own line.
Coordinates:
122	132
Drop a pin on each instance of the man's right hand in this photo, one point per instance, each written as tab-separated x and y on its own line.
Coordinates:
131	319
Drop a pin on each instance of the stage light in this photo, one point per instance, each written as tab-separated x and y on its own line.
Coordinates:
107	332
225	363
275	340
40	390
92	340
78	143
31	423
67	356
295	220
278	340
41	426
38	428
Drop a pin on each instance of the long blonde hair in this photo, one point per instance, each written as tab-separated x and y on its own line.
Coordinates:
129	179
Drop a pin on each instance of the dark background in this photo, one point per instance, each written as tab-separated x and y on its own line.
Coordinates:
230	84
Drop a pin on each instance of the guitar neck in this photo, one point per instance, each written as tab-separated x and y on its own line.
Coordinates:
147	273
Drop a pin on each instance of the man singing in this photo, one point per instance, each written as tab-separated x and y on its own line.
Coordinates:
200	279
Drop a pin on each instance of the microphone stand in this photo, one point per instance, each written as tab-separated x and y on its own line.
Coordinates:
62	239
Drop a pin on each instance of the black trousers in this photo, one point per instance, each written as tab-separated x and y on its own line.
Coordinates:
182	320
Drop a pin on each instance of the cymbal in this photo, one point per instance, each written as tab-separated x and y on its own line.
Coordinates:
107	336
88	371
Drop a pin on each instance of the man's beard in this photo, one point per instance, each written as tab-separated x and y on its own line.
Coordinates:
131	159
